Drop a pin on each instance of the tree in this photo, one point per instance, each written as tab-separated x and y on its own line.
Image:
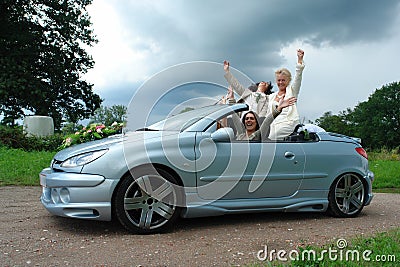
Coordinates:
42	60
377	121
337	123
109	115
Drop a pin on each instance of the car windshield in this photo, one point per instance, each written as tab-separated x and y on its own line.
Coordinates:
181	121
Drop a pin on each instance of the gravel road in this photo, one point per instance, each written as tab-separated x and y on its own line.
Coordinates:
30	236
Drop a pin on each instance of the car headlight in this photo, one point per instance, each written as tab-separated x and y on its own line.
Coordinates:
83	159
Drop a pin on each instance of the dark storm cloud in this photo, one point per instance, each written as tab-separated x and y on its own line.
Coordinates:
339	37
251	33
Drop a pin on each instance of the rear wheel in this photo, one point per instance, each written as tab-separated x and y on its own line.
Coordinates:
346	196
145	202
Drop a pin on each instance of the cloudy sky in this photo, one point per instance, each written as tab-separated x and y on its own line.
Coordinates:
351	46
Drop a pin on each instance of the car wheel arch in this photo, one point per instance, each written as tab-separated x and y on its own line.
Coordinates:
155	166
333	209
128	179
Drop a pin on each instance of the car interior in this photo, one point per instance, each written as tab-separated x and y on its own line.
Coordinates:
298	134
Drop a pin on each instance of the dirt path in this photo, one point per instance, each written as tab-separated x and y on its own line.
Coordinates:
30	236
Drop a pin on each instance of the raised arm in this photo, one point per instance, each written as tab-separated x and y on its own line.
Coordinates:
230	96
299	73
236	85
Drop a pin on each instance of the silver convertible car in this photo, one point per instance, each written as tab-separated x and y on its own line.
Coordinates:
191	165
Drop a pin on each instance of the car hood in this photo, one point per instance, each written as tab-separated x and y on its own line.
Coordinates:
109	142
88	146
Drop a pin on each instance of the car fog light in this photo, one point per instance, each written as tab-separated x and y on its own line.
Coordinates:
46	193
55	197
64	195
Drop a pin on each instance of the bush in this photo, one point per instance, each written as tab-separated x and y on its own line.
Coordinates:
385	154
16	138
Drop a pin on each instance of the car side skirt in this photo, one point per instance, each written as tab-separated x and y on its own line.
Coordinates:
301	201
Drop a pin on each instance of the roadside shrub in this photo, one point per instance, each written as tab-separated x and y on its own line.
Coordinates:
15	138
385	154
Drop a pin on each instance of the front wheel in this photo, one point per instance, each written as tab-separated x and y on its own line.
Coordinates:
145	202
346	196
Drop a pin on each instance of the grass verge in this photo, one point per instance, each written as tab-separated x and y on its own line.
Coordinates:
387	175
18	167
382	249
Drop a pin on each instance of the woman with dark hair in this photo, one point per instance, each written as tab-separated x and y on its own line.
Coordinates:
254	87
252	129
251	126
263	101
257	100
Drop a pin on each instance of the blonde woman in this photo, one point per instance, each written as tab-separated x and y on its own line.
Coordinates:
285	123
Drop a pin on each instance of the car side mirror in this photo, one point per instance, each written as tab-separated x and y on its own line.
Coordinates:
223	135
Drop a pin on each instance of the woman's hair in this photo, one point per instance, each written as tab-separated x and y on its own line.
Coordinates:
254	86
285	72
269	88
255	116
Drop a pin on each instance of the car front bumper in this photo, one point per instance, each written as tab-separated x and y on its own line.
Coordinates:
77	195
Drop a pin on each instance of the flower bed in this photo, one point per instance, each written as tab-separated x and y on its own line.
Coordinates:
92	132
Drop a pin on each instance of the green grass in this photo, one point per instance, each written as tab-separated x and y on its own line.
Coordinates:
383	246
387	174
385	164
18	167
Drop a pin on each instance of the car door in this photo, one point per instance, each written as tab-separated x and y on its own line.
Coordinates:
287	171
241	169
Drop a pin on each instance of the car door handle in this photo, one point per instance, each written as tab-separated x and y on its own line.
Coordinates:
289	155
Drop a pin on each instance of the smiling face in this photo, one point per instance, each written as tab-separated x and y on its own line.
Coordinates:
283	78
282	81
250	123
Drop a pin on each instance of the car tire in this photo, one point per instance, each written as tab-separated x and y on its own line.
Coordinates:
147	201
346	196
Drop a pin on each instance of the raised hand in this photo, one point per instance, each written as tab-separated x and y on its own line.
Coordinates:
283	103
226	66
300	55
